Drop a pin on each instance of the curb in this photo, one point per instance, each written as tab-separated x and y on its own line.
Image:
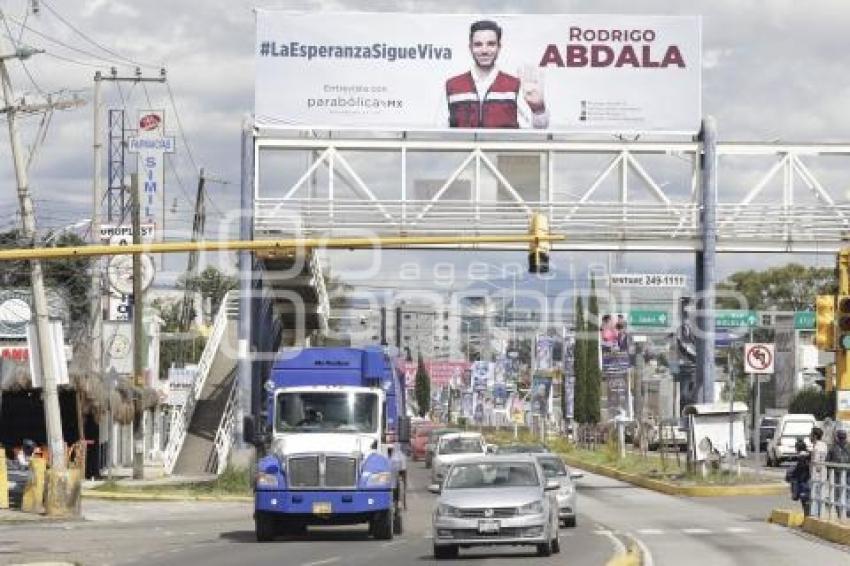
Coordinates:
786	518
129	496
630	558
828	530
673	489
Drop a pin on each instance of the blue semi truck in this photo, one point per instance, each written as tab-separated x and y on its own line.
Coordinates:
330	443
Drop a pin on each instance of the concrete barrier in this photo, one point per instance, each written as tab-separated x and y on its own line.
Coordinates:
832	531
786	518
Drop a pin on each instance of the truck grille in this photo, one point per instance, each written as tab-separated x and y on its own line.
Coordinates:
305	471
340	471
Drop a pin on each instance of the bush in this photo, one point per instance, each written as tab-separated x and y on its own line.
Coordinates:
813	400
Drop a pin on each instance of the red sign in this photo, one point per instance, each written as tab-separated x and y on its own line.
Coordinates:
15	353
441	373
149	122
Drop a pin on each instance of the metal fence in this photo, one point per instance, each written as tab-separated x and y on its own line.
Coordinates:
831	491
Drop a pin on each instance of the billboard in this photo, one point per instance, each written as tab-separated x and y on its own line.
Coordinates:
615	343
441	372
546	72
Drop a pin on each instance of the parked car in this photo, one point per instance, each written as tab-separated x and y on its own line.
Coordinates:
454	447
517	448
433	438
791	427
497	500
419	440
17	477
555	469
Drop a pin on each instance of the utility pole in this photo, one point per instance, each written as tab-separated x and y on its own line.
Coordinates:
95	301
191	270
57	500
138	336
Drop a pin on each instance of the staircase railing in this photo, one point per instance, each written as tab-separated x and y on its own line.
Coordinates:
181	419
224	435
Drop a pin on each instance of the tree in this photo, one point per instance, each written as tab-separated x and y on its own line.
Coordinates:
422	388
814	401
212	283
789	287
591	356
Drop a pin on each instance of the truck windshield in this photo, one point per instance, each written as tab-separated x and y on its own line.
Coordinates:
311	411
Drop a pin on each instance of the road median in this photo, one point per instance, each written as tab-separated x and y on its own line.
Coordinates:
671	488
162	496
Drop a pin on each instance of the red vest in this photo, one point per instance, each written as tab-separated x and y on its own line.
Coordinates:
497	110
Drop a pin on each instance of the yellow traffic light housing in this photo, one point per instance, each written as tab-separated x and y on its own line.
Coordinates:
538	249
842	322
825	322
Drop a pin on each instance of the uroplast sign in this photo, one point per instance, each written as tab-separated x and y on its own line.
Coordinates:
545	72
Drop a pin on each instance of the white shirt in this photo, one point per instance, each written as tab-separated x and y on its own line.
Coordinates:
525	116
819	451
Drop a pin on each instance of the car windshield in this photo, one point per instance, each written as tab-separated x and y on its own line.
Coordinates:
521	449
552	467
492	474
461	446
311	411
797	428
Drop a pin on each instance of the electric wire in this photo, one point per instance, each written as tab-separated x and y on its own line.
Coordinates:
92	41
15	44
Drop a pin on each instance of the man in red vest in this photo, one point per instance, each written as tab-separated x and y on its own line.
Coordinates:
486	97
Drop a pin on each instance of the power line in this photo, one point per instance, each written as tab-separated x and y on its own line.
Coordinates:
92	41
15	45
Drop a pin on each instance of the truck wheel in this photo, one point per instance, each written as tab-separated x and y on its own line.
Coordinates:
264	527
398	522
382	525
444	552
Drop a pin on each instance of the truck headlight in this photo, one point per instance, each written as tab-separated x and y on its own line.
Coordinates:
533	508
444	510
266	480
380	479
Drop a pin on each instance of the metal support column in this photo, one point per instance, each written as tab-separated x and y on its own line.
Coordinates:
245	402
706	262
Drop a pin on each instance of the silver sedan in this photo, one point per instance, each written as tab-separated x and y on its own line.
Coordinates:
554	469
497	500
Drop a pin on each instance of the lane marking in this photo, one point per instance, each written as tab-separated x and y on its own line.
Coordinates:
393	543
738	530
696	531
650	531
325	561
619	547
646	556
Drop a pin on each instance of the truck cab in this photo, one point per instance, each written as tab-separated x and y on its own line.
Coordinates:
330	440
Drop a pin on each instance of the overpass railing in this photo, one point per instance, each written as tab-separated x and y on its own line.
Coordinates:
831	491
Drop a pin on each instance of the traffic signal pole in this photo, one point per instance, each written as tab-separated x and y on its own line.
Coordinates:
842	339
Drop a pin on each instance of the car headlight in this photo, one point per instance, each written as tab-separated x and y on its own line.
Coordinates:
379	479
444	510
533	508
266	480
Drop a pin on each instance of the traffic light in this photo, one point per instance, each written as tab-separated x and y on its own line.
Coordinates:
842	323
538	250
825	322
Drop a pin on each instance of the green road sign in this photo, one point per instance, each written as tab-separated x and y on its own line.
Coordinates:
735	319
804	320
649	318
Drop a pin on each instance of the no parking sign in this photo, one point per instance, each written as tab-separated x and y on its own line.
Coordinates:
758	358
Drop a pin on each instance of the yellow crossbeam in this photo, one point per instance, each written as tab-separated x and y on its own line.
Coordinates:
280	246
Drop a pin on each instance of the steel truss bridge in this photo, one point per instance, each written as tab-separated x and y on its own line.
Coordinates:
602	195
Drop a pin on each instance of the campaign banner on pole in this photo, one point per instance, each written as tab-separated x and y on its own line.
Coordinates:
551	72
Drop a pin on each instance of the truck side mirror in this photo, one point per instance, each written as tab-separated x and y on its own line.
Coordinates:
404	429
249	429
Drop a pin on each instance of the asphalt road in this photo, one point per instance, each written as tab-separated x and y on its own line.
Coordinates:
717	531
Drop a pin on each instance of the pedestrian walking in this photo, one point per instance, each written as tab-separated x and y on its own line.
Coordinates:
818	473
800	477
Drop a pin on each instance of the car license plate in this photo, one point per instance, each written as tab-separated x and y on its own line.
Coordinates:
321	508
488	527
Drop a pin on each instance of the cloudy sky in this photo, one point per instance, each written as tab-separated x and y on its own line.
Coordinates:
772	70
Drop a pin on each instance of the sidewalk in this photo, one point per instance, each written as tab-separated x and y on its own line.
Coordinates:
165	481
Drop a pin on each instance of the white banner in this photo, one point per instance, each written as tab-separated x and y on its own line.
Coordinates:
151	144
648	280
552	72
